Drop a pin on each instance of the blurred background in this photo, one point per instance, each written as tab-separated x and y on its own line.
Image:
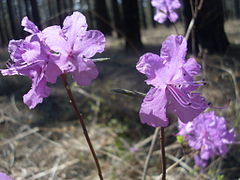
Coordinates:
47	142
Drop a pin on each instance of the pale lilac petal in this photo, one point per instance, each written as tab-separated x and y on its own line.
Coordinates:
192	67
58	44
56	40
158	3
185	106
151	65
15	48
173	17
85	72
165	9
74	27
29	26
153	108
52	72
91	43
3	176
160	16
32	53
38	91
174	4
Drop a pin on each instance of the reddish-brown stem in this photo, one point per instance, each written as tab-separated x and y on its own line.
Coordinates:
80	117
163	157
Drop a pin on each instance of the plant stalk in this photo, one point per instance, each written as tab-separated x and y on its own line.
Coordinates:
80	117
163	157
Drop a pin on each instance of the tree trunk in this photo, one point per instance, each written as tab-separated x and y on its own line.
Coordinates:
131	24
27	9
143	15
117	18
154	23
60	11
102	17
209	26
4	30
35	13
237	8
15	27
71	6
89	15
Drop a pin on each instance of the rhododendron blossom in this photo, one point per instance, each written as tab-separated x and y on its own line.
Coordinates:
208	134
165	9
44	55
171	78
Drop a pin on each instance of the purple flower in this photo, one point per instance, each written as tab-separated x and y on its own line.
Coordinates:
208	134
3	176
171	78
76	46
43	56
165	9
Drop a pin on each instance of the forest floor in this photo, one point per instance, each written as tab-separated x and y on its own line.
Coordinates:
47	142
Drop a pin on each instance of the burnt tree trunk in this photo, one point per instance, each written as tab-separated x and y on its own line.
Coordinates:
89	15
35	13
209	26
131	24
102	17
15	26
4	30
60	11
27	8
237	8
117	18
143	15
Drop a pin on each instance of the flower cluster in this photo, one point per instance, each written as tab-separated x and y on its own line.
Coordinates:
208	134
171	78
165	10
44	55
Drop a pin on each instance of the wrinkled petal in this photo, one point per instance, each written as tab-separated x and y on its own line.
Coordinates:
35	96
74	27
52	72
56	40
91	43
29	26
85	72
153	108
192	67
186	107
160	16
151	65
173	17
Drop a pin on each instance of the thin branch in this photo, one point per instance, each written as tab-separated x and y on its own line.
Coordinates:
163	157
80	117
154	138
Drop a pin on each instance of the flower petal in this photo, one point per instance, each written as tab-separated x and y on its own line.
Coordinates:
55	39
85	72
74	26
153	108
52	72
186	106
36	94
192	67
29	26
91	43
